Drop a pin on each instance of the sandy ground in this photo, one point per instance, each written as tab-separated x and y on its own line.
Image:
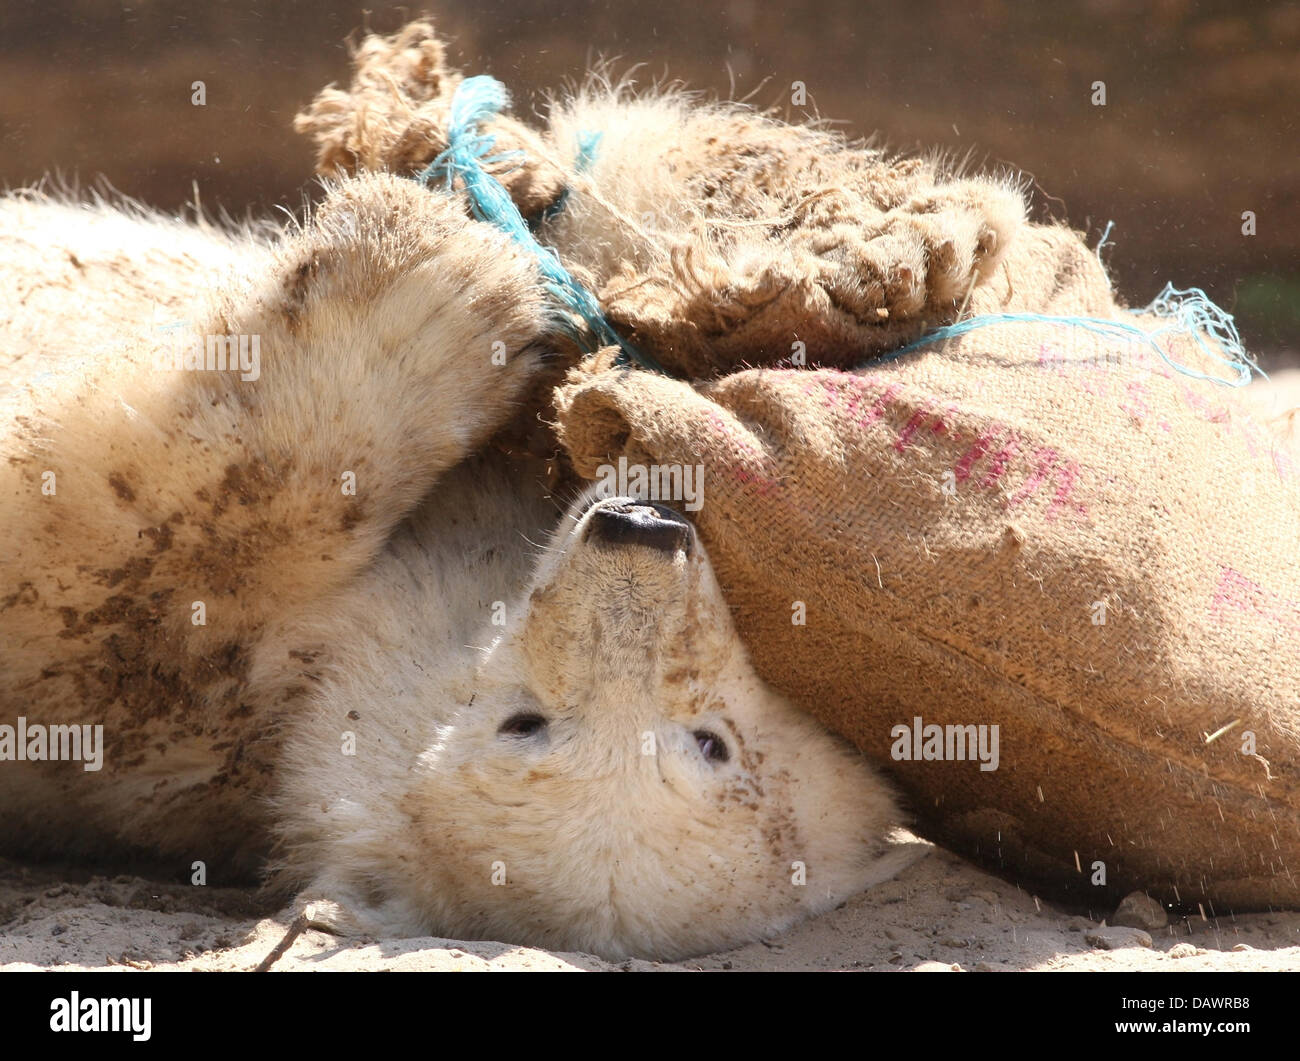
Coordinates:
940	914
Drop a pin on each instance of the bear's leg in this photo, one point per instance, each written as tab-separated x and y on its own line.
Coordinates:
160	513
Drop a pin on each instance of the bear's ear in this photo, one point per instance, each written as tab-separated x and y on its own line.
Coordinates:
394	115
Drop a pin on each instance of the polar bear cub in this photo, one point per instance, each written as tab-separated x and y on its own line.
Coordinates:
333	638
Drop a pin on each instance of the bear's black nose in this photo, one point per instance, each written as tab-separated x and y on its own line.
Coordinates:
641	523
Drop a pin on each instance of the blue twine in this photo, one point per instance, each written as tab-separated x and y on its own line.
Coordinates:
1189	312
587	144
476	99
1105	238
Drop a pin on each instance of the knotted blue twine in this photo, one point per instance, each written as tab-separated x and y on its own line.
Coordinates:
1189	312
476	99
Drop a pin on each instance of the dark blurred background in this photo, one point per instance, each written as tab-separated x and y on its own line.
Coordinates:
1200	122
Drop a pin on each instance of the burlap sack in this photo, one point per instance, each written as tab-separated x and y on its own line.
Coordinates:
1030	526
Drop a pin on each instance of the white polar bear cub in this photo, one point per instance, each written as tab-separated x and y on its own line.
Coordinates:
322	626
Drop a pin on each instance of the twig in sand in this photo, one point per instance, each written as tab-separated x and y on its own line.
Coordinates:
296	929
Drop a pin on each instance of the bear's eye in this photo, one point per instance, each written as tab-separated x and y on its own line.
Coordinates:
524	724
712	747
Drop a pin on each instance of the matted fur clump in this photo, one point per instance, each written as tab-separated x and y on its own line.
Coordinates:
713	236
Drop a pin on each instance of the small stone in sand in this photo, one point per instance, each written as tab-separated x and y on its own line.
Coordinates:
1139	910
1117	938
